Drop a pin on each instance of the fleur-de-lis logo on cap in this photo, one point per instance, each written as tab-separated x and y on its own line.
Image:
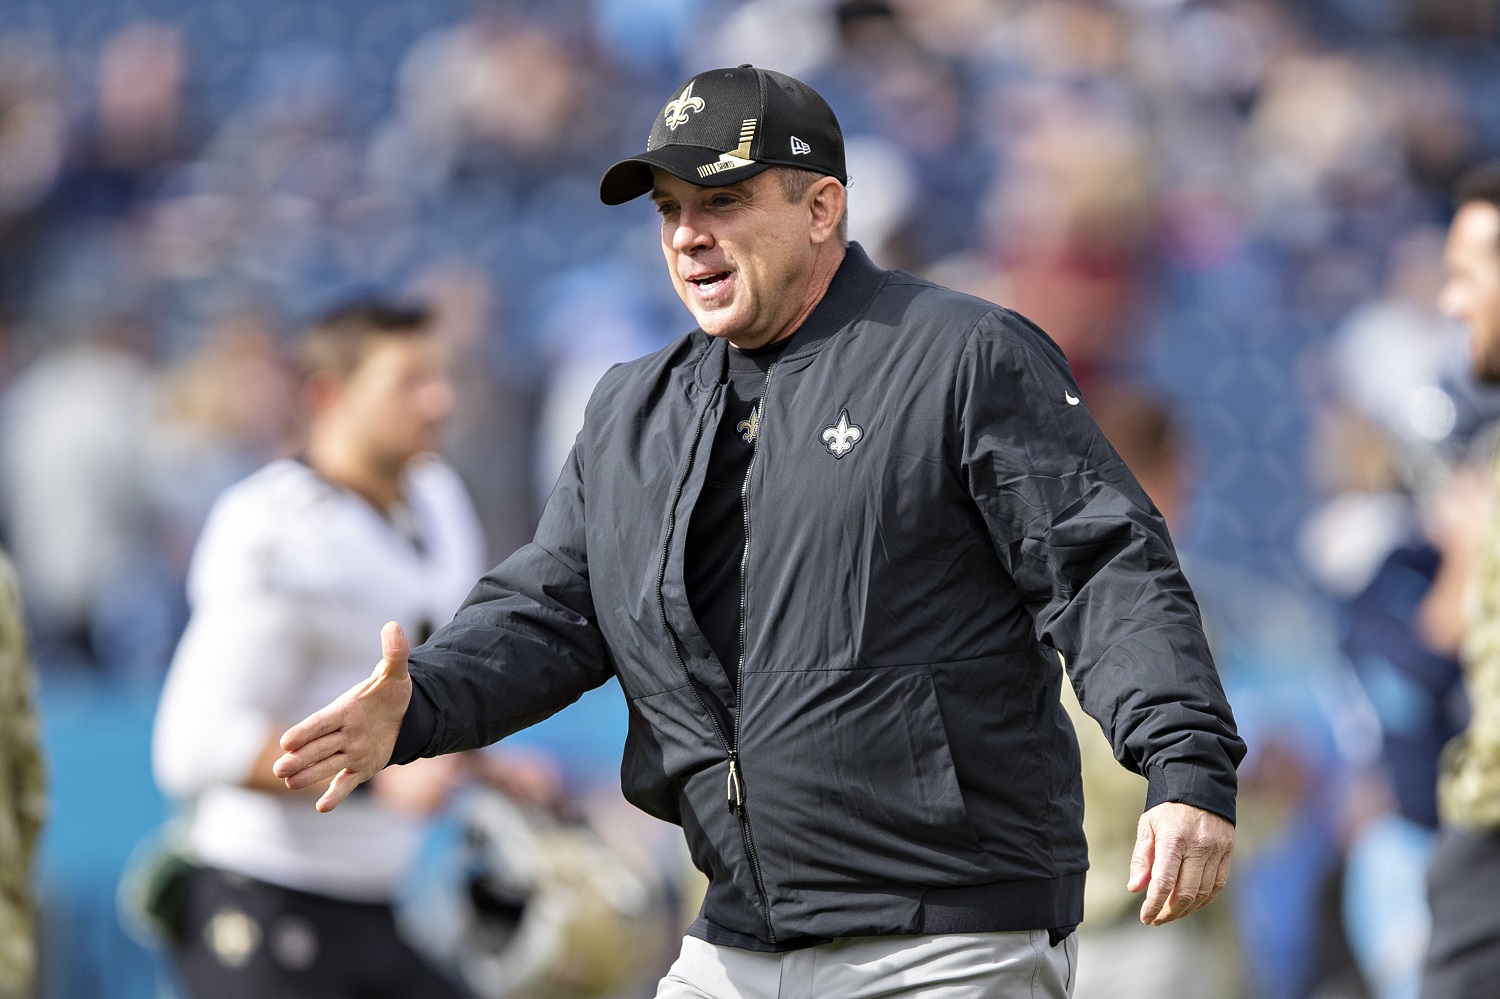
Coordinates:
842	436
676	112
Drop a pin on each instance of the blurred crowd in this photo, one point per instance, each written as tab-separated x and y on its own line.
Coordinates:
1228	212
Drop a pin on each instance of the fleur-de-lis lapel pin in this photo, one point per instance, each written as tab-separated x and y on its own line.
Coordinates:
842	436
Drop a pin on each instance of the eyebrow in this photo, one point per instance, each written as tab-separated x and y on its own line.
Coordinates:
740	187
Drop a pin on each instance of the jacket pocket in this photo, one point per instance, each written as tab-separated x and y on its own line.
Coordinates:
849	778
669	739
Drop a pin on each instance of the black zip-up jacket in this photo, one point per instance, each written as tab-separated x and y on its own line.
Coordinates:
932	521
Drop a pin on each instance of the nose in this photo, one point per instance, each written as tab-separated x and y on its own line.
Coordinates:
689	234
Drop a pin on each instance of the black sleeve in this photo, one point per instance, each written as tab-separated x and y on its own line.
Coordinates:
1094	564
524	645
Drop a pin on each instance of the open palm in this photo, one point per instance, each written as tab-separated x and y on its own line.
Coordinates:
351	739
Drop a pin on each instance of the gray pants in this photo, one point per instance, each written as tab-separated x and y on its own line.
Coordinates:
1022	965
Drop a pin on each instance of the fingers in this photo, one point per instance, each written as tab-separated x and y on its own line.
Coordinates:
1185	885
1222	877
318	772
342	786
1187	891
314	726
1141	857
1206	889
1165	869
313	752
394	648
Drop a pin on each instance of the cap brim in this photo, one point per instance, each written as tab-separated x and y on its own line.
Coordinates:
630	178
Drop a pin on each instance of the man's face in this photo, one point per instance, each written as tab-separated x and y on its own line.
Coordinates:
1472	291
398	399
740	256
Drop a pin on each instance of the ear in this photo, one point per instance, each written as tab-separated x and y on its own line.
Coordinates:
321	390
828	199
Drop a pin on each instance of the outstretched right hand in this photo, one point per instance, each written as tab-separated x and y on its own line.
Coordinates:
351	740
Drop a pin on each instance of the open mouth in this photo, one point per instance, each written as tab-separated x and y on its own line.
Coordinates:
710	282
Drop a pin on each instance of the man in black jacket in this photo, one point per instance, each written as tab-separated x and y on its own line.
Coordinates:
837	545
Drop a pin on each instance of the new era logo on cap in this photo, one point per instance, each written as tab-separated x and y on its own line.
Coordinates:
727	125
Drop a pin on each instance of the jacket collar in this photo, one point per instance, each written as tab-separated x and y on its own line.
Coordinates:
847	298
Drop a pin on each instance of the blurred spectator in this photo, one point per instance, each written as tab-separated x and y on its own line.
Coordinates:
74	499
1463	958
140	126
217	415
489	439
34	137
296	571
596	318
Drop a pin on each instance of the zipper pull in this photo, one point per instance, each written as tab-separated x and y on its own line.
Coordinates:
735	791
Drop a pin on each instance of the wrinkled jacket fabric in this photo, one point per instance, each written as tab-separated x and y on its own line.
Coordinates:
895	758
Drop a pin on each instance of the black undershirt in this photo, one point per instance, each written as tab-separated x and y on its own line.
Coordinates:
716	532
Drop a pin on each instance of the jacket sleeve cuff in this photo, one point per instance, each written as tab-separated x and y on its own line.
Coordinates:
1191	785
417	728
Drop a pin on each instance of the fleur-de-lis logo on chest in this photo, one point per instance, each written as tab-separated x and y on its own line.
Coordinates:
749	427
840	438
676	112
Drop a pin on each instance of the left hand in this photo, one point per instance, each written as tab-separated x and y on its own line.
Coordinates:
1182	852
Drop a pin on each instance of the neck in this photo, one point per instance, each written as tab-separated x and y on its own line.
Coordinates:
344	464
825	266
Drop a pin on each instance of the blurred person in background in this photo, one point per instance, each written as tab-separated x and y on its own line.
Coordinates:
218	414
22	796
1463	958
33	146
308	557
1404	433
72	428
140	127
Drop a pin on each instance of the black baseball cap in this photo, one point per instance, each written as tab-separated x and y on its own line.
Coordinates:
727	125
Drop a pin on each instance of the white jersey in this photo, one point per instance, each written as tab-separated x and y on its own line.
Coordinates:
290	584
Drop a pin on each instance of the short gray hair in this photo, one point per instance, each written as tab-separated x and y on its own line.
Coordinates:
794	184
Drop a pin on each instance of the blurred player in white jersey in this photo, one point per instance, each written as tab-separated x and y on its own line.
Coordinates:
298	566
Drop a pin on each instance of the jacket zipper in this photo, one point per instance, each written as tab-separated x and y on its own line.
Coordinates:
735	788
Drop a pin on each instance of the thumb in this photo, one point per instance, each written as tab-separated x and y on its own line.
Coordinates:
1141	857
394	649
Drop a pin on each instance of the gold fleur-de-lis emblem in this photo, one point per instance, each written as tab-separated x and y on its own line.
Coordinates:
842	436
232	936
750	426
676	112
